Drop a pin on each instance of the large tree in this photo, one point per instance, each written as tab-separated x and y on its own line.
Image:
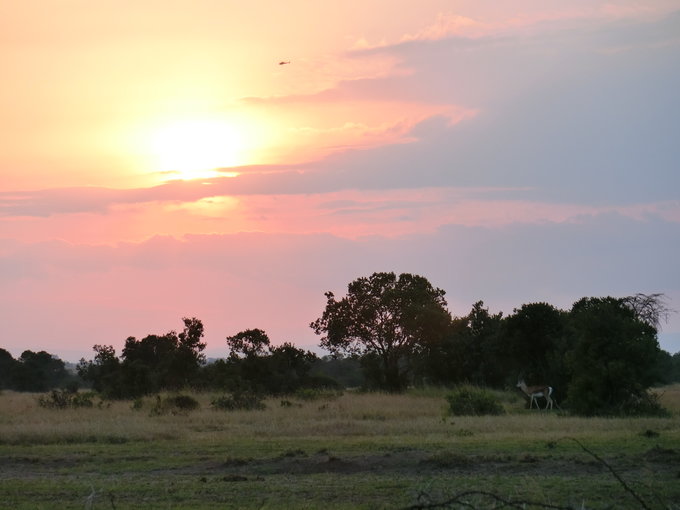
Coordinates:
532	344
614	357
386	318
39	371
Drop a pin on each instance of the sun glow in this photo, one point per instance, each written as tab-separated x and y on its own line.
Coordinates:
196	148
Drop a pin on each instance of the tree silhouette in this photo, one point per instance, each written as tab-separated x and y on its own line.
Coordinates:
386	319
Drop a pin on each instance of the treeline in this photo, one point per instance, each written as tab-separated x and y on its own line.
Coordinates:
34	371
601	356
390	332
175	361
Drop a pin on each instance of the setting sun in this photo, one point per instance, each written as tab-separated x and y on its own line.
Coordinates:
195	148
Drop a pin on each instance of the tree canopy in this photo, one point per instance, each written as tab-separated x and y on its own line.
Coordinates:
33	371
387	317
154	363
613	358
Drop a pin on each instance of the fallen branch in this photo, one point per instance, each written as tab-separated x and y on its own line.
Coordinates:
613	472
459	499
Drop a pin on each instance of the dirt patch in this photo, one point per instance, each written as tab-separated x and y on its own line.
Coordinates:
406	462
397	463
662	455
34	466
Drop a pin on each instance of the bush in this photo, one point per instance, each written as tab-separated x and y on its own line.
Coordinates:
238	401
317	394
175	404
643	404
473	401
64	399
184	402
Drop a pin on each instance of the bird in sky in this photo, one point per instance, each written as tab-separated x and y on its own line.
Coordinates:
283	62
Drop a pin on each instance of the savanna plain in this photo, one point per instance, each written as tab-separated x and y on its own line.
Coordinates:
333	451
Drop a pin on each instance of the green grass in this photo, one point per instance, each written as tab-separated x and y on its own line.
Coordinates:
353	451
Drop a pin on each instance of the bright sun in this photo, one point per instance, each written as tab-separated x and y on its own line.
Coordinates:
193	149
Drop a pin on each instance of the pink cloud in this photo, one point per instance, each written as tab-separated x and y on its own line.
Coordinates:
347	213
524	18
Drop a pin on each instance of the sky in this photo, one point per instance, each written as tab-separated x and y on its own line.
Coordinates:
158	161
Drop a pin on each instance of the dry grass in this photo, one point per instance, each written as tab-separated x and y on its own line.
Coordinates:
354	451
368	417
669	396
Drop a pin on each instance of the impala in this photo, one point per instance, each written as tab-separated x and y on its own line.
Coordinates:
534	392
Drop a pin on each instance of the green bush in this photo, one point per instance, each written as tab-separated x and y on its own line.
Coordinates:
238	401
473	401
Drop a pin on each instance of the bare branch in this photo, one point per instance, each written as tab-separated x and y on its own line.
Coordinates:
613	472
461	500
650	308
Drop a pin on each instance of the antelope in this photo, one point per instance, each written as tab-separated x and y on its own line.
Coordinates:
534	392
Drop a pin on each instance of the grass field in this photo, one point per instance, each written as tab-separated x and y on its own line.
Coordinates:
353	451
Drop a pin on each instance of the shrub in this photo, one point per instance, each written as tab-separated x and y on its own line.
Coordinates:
643	404
473	401
317	393
64	399
184	402
238	401
175	404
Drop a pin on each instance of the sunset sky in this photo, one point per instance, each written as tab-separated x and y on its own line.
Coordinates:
158	162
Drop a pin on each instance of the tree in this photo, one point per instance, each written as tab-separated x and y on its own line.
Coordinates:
104	372
674	374
345	371
613	360
649	308
246	368
7	369
254	365
289	369
188	356
154	363
248	344
170	361
39	371
480	349
468	352
386	318
147	364
533	343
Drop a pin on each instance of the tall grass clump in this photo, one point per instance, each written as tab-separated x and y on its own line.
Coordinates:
473	401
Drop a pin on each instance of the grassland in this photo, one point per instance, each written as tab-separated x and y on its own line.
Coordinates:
353	451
